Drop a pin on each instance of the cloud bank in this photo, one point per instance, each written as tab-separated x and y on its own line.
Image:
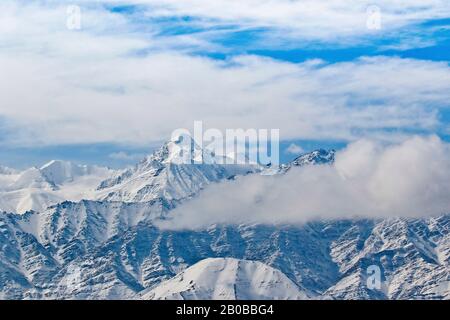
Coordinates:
110	82
368	180
92	100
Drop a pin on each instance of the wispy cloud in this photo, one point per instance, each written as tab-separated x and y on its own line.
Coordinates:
337	21
124	156
294	149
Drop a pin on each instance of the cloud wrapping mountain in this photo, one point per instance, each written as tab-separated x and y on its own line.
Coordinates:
122	249
367	180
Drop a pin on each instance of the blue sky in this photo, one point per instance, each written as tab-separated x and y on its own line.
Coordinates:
113	90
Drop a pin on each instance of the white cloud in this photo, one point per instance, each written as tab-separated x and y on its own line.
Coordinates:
294	149
408	44
124	156
138	100
368	180
335	20
90	86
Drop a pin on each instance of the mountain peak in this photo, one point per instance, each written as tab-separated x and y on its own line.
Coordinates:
59	171
227	279
316	157
319	156
181	150
54	163
177	170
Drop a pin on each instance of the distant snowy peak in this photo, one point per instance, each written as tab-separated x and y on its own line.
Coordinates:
185	150
227	279
170	152
320	156
316	157
31	178
38	188
59	172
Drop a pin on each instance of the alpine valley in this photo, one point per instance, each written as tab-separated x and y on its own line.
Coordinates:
84	232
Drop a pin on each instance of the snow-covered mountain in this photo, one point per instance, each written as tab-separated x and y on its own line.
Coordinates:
57	181
316	157
163	175
166	175
319	156
227	279
107	250
60	172
109	247
414	256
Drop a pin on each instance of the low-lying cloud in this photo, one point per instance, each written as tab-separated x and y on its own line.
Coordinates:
367	180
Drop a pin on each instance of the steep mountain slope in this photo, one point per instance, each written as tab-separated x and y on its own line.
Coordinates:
166	175
98	250
319	156
316	157
413	256
227	279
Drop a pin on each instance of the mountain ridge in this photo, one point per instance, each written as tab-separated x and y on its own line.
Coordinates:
105	249
127	259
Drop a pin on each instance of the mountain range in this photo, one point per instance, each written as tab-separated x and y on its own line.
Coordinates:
81	232
56	181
